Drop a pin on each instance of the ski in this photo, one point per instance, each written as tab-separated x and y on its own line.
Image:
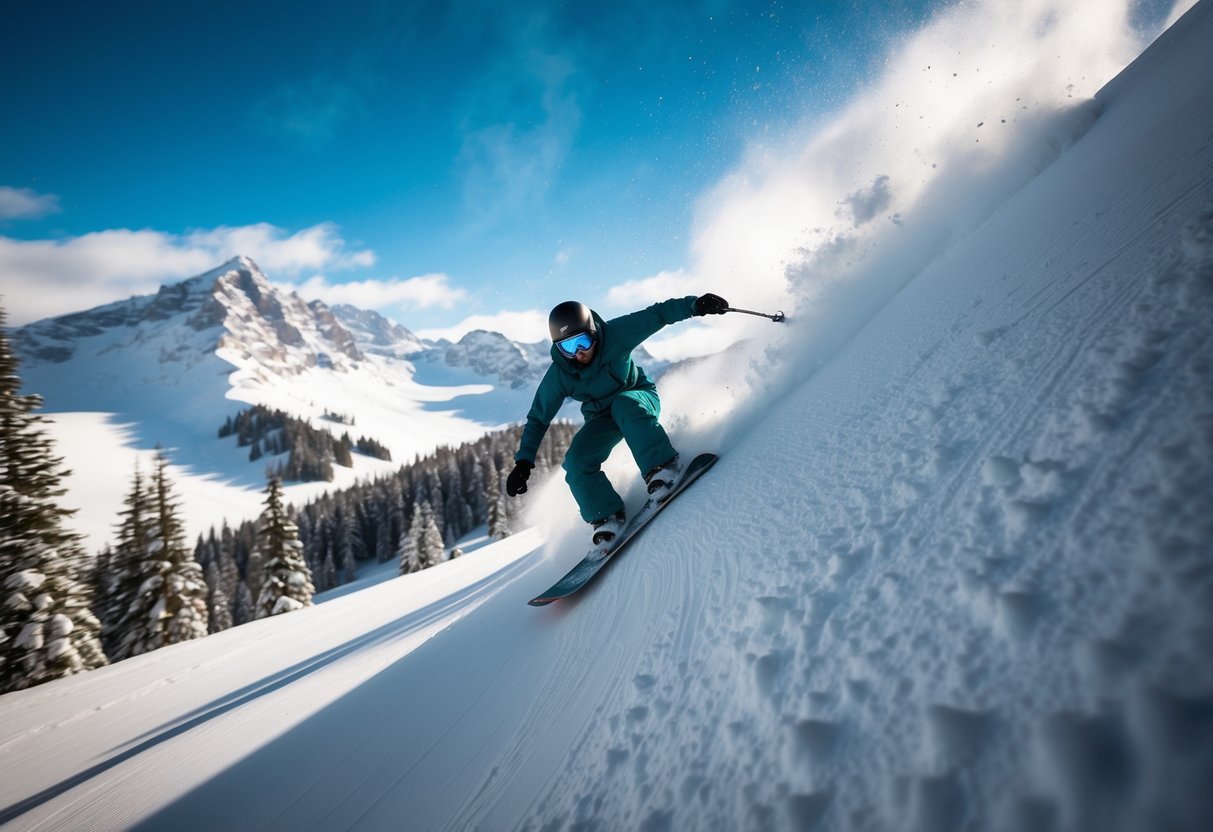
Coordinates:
583	572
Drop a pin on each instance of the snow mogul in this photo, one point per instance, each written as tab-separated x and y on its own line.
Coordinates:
592	363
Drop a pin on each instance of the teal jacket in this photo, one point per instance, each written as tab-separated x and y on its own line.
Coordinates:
611	372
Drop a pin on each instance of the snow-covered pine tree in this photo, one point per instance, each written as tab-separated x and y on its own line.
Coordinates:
170	605
346	543
506	511
286	582
410	552
124	574
430	546
216	603
46	627
496	509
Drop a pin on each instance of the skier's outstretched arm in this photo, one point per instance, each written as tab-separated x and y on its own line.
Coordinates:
633	329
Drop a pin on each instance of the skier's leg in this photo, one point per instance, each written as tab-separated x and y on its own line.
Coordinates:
636	412
595	496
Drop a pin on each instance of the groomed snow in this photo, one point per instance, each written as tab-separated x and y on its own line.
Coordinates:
956	576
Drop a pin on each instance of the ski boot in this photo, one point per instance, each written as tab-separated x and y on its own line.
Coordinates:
606	531
662	479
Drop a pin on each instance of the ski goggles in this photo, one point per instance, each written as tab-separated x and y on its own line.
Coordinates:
569	346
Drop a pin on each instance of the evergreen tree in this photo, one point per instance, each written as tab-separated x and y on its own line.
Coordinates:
229	577
429	542
254	570
124	575
383	541
46	627
501	516
220	612
217	556
341	451
496	509
101	569
170	604
328	572
286	582
410	552
243	609
346	548
475	492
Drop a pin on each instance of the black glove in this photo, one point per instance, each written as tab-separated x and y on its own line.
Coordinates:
710	304
515	483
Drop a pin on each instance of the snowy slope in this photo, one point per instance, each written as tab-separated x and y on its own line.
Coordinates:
958	577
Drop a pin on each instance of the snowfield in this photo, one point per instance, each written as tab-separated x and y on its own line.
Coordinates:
954	571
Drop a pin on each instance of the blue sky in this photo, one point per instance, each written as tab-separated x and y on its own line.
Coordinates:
502	144
440	160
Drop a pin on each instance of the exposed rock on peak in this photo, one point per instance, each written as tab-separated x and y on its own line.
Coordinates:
249	316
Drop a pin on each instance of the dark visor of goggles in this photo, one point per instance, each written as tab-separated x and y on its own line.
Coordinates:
570	345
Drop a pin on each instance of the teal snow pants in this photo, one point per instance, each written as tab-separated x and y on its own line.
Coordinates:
632	418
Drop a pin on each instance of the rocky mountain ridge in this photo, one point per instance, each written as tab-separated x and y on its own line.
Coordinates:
252	321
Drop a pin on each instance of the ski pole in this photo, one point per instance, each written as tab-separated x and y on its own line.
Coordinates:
778	317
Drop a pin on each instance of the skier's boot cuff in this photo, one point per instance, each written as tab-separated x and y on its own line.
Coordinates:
606	529
661	479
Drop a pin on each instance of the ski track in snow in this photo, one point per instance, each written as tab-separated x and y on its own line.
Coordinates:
960	579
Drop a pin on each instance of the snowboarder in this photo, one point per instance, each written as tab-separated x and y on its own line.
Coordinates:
592	363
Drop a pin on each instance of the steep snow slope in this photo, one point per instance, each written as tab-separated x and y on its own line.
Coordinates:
959	578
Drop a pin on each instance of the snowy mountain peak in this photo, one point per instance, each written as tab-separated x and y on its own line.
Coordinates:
373	333
235	304
492	354
274	328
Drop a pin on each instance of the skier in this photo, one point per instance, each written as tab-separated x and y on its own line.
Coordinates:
592	363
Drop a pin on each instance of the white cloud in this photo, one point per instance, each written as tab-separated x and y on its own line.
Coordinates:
526	326
25	204
280	254
423	292
640	293
44	278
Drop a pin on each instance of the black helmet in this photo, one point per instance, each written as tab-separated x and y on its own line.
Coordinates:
570	318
